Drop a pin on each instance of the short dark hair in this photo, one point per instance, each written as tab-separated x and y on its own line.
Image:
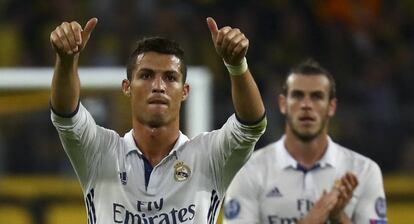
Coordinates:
311	67
160	45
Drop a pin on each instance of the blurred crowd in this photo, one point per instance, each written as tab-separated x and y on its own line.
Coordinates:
368	45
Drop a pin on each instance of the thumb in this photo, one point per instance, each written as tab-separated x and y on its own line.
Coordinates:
87	30
212	26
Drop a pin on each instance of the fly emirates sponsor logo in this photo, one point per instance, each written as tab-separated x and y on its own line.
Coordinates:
176	215
303	207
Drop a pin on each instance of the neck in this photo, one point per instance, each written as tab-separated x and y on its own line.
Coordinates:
155	143
306	153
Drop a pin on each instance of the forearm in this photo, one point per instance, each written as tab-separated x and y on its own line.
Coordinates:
247	101
68	40
65	89
313	219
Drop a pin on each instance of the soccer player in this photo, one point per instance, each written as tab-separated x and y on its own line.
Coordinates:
305	177
154	173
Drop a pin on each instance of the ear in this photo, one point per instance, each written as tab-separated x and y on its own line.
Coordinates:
186	91
282	103
332	107
126	89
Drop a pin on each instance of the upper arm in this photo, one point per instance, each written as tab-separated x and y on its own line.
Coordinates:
84	142
230	147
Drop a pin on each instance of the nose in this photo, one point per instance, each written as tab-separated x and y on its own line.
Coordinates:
306	103
158	85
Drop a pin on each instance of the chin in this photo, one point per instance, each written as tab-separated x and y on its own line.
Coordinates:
156	123
306	136
152	120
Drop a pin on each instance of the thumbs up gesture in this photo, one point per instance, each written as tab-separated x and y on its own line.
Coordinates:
68	39
230	43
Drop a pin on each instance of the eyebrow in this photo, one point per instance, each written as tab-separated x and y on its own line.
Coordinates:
311	91
152	70
296	91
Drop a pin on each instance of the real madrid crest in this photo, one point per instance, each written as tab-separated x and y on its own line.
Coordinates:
181	171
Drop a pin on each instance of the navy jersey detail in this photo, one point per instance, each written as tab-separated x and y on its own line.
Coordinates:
91	207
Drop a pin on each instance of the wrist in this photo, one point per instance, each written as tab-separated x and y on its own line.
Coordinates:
236	70
67	59
335	221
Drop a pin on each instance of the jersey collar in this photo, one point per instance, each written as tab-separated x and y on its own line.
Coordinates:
285	160
132	147
330	156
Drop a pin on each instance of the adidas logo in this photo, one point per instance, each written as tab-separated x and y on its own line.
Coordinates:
274	193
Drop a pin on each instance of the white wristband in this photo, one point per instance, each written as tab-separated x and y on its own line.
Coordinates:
236	70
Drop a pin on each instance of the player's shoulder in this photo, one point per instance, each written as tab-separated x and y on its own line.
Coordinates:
352	155
265	151
355	159
197	143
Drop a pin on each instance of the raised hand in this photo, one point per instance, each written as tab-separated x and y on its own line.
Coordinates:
230	43
69	39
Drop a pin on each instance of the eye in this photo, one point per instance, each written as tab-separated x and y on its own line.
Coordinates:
318	96
297	95
144	75
171	77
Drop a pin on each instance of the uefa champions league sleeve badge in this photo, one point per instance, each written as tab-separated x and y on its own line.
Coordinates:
181	171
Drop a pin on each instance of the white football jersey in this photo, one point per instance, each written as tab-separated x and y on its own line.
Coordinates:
273	188
187	186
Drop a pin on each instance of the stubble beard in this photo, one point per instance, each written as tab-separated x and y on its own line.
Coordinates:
152	121
308	136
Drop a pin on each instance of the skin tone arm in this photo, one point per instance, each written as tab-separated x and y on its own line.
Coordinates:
232	46
68	40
